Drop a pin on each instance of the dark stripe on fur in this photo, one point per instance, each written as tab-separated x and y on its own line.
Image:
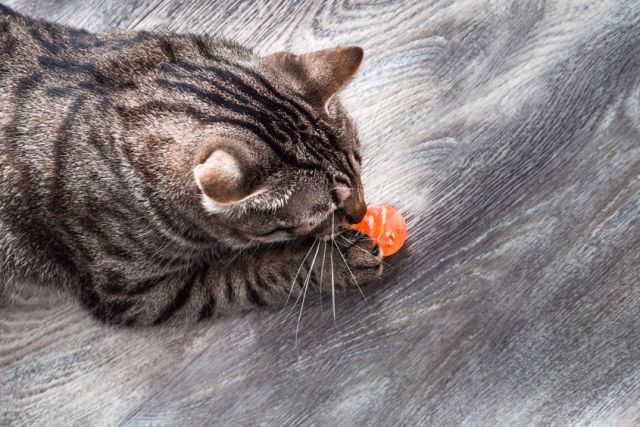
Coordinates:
52	47
208	308
180	299
252	294
59	146
229	292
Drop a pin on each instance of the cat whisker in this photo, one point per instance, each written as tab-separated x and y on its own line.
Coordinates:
362	237
324	254
350	272
303	283
241	250
304	291
333	282
362	249
298	272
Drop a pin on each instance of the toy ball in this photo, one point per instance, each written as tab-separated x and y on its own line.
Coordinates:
386	227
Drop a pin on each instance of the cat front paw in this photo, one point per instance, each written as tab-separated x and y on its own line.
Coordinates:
357	260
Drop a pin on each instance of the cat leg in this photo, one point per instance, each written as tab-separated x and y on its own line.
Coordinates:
267	278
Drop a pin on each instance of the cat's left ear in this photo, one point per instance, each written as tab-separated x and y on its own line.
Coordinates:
323	73
226	176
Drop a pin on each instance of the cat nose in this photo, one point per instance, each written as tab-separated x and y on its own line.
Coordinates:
355	207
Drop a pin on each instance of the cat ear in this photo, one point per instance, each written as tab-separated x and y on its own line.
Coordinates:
328	71
323	72
224	179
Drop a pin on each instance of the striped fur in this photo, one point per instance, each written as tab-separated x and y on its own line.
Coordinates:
99	138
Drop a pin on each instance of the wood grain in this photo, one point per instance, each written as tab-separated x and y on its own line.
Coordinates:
508	133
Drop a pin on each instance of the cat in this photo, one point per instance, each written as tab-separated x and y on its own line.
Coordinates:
176	177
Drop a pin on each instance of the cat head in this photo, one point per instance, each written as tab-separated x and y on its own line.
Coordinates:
285	163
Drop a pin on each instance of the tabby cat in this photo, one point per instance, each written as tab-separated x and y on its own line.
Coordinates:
176	176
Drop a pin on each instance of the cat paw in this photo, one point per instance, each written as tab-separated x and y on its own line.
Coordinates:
358	260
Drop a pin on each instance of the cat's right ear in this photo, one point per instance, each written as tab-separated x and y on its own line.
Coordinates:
321	73
225	178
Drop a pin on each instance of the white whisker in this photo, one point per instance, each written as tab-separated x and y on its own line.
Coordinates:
303	283
362	249
333	282
350	272
241	251
298	272
324	253
363	237
304	291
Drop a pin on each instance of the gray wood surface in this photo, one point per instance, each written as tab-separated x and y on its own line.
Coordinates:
508	133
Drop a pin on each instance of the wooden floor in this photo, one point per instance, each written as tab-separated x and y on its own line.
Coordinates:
508	132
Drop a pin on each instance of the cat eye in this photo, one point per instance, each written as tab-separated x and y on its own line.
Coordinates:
277	230
286	229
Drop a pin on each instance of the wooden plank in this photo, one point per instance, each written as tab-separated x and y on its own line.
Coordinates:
508	133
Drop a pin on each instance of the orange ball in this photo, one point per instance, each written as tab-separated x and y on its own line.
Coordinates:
386	227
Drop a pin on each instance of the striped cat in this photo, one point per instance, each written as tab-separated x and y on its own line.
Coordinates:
176	176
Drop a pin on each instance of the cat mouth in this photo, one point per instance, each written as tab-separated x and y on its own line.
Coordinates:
331	228
326	237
